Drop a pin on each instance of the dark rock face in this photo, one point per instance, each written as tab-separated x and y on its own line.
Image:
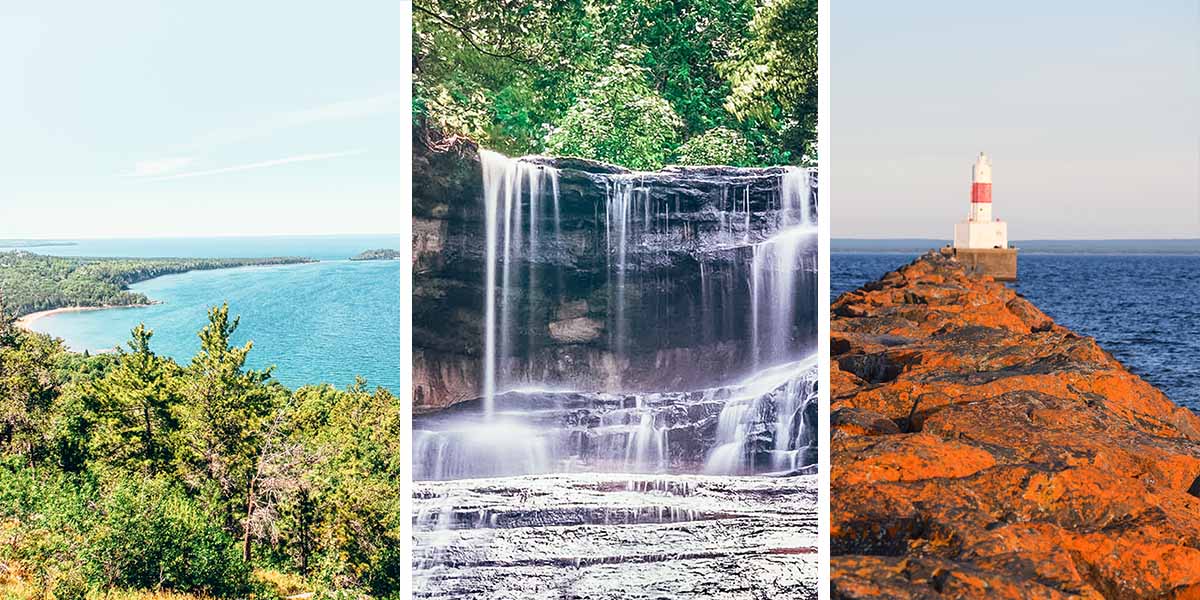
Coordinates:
980	450
603	279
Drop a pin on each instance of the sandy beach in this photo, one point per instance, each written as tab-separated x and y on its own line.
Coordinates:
26	322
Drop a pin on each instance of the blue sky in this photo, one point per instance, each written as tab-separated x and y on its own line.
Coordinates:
1089	109
138	119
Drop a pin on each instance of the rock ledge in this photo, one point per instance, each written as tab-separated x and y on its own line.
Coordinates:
981	450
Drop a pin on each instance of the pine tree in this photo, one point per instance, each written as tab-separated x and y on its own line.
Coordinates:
227	409
136	410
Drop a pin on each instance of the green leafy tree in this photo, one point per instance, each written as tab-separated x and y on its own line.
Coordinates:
774	74
349	506
153	535
29	385
620	119
503	74
717	146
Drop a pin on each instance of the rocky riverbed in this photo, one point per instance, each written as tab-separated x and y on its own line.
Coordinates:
981	450
602	536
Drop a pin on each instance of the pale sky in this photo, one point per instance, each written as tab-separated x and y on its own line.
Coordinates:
1090	111
141	118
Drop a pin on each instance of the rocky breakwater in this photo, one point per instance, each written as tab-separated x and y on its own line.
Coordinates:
572	274
981	450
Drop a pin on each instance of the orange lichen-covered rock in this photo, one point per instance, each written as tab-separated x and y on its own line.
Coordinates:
982	451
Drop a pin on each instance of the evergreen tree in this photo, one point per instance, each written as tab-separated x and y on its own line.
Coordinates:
135	410
227	408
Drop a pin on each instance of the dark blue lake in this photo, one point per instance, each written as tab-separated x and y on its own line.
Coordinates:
1143	308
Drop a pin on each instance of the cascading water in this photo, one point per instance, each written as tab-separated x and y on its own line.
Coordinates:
768	424
751	426
505	178
649	293
796	198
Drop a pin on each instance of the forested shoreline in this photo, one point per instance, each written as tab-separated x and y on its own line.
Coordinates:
130	472
377	254
32	282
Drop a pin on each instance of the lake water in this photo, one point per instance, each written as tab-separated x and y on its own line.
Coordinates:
322	322
321	247
1143	308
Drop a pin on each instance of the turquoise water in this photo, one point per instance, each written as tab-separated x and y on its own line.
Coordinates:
323	322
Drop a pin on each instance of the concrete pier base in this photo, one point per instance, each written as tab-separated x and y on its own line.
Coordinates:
1000	263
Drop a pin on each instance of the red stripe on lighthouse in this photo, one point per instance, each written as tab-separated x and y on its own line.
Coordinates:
981	193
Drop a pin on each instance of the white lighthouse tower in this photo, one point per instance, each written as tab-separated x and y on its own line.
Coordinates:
980	230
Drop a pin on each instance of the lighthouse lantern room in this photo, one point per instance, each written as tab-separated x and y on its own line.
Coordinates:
980	230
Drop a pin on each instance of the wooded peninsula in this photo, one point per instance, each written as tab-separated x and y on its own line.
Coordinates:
32	282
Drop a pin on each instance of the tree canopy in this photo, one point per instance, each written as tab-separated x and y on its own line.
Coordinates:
631	82
129	471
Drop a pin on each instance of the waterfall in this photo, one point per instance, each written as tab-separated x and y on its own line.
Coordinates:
768	423
618	225
756	288
521	185
494	167
775	267
776	264
765	423
796	194
484	450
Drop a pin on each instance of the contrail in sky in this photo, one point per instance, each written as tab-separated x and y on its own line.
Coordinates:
259	165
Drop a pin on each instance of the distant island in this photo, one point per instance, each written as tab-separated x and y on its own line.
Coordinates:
378	254
33	282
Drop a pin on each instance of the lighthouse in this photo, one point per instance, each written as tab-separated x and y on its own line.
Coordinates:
980	230
981	241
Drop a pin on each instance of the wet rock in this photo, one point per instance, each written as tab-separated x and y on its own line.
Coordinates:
616	537
1024	461
576	331
572	309
765	424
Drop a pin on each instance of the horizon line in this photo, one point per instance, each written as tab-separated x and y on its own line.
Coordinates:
1031	239
189	237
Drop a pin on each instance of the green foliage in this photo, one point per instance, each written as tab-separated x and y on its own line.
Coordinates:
356	435
774	75
46	518
92	500
506	73
77	534
154	535
29	386
619	119
718	146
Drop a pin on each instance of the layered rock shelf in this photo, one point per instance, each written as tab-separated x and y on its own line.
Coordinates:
616	537
980	450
